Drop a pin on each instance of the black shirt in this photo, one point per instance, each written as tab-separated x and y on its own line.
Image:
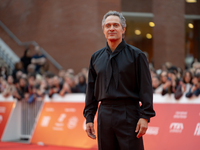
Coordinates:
123	73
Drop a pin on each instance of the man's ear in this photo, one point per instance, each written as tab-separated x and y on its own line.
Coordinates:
123	30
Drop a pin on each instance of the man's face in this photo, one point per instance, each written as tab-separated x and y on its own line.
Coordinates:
31	81
113	29
155	82
195	80
37	50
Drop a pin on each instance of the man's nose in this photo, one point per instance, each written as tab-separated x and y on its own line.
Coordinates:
112	27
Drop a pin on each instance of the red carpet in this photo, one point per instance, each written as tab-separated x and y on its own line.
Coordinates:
20	146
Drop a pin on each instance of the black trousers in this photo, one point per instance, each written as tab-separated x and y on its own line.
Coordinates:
117	120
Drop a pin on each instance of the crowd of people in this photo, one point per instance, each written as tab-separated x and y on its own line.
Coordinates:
171	79
31	79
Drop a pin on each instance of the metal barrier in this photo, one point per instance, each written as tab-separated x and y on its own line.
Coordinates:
5	60
29	113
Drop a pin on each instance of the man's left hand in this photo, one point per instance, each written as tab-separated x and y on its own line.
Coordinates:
142	127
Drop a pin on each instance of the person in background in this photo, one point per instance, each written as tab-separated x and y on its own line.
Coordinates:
3	72
70	71
195	89
171	83
19	74
84	71
21	90
81	86
3	84
179	73
70	80
38	59
43	88
31	87
69	85
30	68
10	87
31	82
153	73
162	78
61	75
65	89
18	67
187	80
48	77
183	86
156	85
56	88
26	59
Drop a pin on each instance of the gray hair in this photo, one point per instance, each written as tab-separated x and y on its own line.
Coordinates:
114	13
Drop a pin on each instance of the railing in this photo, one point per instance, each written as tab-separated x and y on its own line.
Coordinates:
53	61
7	55
6	58
29	113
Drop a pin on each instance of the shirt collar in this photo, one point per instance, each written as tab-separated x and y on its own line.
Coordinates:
120	47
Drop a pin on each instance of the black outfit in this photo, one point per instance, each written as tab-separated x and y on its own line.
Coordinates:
81	87
37	66
21	91
26	61
119	79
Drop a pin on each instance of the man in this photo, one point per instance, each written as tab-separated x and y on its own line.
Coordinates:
38	59
119	78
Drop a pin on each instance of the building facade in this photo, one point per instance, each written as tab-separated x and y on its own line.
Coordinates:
70	31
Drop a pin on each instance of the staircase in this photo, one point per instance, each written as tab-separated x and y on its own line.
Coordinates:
10	58
7	57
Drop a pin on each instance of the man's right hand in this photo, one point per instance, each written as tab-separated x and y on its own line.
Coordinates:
90	130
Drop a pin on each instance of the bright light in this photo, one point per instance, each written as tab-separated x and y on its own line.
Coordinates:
137	32
151	24
190	25
191	1
149	36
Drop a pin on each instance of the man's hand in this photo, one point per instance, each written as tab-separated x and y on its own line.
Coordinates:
90	130
142	126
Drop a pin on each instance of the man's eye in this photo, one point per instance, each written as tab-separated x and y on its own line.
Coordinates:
116	25
108	26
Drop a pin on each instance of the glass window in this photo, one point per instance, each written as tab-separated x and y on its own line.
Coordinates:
139	33
192	38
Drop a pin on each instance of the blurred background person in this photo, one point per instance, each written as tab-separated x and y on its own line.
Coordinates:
3	84
61	75
195	88
38	59
3	72
21	90
84	71
170	85
56	88
81	86
43	88
30	68
184	85
26	59
18	67
10	87
69	85
70	80
31	91
156	85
